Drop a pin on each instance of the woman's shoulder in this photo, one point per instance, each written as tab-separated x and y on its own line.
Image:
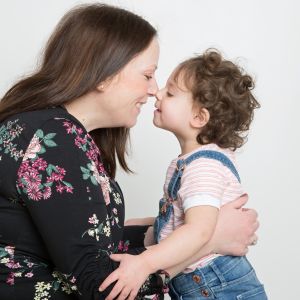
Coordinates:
20	129
31	121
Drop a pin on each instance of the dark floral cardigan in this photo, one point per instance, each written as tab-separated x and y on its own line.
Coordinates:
61	215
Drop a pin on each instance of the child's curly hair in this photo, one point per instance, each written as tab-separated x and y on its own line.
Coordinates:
224	90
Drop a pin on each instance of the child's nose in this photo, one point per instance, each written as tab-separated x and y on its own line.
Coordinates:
159	95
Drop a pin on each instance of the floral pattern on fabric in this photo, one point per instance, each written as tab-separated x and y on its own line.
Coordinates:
61	281
8	133
55	189
18	268
25	268
93	171
31	178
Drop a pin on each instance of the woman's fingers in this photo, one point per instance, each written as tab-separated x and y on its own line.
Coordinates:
109	280
115	291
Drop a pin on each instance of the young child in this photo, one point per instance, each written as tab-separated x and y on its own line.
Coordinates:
207	103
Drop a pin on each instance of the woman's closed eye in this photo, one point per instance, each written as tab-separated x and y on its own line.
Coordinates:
148	77
169	94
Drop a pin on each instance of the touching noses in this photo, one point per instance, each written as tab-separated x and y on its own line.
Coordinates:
153	88
159	95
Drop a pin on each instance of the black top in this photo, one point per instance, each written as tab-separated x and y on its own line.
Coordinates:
61	215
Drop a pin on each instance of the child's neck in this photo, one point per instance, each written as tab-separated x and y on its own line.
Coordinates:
188	145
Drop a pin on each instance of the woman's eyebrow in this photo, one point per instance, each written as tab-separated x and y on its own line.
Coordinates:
152	68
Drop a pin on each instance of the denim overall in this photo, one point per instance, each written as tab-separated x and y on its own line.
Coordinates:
225	277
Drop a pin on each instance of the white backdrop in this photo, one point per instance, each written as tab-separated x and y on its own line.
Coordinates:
264	37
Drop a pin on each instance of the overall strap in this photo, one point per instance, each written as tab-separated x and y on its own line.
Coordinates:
174	184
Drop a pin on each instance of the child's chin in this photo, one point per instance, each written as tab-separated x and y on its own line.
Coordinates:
156	125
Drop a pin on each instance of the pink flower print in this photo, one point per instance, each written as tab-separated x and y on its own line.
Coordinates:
32	178
40	164
120	246
105	186
69	189
79	130
100	167
10	250
73	279
60	188
30	264
34	193
125	248
56	177
10	279
28	275
115	211
61	171
92	155
79	141
93	220
47	192
33	148
68	127
12	265
23	168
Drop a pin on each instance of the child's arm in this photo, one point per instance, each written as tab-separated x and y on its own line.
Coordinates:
140	221
228	239
183	243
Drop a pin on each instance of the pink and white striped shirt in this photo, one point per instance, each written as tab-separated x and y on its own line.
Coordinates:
204	182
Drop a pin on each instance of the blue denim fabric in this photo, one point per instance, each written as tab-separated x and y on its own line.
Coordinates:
166	205
165	212
225	277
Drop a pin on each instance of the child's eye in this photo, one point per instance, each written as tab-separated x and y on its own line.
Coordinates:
169	94
148	77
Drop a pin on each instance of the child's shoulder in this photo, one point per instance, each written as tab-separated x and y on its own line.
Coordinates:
208	164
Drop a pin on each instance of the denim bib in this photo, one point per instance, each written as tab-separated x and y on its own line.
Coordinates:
166	209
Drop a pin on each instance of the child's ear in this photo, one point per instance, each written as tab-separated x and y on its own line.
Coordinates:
200	118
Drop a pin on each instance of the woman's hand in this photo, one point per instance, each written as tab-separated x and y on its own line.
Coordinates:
235	229
131	274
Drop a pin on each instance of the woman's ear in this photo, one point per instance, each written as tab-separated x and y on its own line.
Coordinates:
100	87
103	85
200	118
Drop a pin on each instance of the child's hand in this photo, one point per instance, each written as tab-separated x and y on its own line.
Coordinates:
131	274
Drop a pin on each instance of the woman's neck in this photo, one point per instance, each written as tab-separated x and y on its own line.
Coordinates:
85	111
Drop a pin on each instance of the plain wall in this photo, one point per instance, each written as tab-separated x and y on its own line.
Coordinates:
263	36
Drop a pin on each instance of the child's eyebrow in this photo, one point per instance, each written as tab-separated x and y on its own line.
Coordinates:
171	84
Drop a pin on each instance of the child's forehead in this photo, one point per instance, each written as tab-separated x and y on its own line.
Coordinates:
178	79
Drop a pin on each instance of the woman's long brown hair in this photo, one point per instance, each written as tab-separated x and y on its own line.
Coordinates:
90	44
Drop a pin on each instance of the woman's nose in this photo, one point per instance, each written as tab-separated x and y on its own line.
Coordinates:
153	88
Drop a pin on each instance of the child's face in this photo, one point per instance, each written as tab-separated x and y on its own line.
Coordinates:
174	108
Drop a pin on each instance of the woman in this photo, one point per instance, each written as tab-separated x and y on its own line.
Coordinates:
62	130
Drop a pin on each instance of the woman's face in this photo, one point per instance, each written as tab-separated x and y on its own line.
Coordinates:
125	94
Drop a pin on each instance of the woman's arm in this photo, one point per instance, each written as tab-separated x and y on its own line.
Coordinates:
140	221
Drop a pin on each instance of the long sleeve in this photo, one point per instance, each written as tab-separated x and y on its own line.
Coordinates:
75	207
